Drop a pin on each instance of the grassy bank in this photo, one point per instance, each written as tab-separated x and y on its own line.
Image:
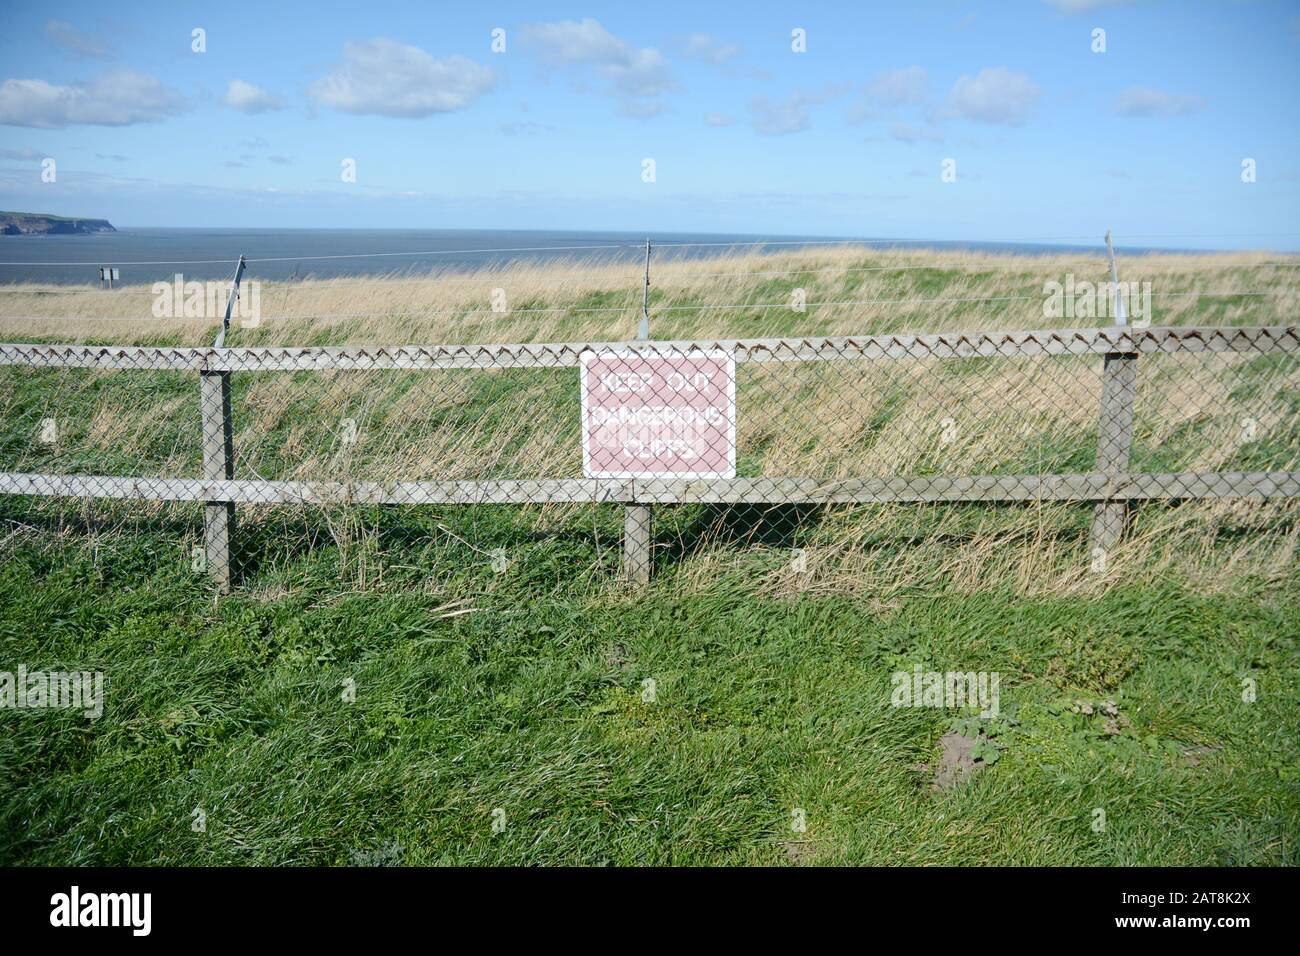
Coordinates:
848	290
525	691
499	664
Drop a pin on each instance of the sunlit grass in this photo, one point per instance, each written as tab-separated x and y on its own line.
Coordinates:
771	632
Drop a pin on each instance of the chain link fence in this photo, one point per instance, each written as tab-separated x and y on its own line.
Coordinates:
252	454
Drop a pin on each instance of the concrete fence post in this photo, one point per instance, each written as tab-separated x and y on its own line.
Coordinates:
638	542
218	465
1115	431
638	520
219	453
1114	442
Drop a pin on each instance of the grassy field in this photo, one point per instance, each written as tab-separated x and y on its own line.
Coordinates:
385	685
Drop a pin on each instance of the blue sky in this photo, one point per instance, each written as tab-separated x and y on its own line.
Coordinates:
1049	138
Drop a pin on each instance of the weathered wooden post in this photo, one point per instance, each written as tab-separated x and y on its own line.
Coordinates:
638	520
219	452
1115	431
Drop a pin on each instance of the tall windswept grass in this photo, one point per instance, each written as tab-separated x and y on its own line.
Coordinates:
864	292
813	420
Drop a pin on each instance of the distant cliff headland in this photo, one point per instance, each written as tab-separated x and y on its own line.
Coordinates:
40	224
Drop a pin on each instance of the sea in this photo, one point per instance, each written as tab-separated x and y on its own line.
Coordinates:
146	255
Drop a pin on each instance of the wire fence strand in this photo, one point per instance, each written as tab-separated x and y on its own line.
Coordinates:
781	441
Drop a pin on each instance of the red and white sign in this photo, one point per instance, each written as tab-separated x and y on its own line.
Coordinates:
649	414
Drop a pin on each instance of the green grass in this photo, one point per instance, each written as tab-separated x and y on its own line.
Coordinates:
533	703
523	690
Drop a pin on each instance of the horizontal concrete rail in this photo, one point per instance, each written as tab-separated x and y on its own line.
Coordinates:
1112	487
1078	487
318	492
1055	342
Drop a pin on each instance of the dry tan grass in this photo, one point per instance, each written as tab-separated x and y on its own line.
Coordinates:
455	307
814	419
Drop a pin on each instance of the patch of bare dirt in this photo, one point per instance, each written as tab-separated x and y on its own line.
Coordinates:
1192	755
800	852
955	765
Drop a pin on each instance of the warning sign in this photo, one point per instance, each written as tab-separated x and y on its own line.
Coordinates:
658	414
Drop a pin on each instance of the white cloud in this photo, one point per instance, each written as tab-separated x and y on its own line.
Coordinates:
994	95
718	120
635	77
386	78
22	153
891	89
701	46
119	98
639	107
248	98
772	118
567	42
526	128
1084	6
77	41
905	133
1140	101
791	115
899	87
